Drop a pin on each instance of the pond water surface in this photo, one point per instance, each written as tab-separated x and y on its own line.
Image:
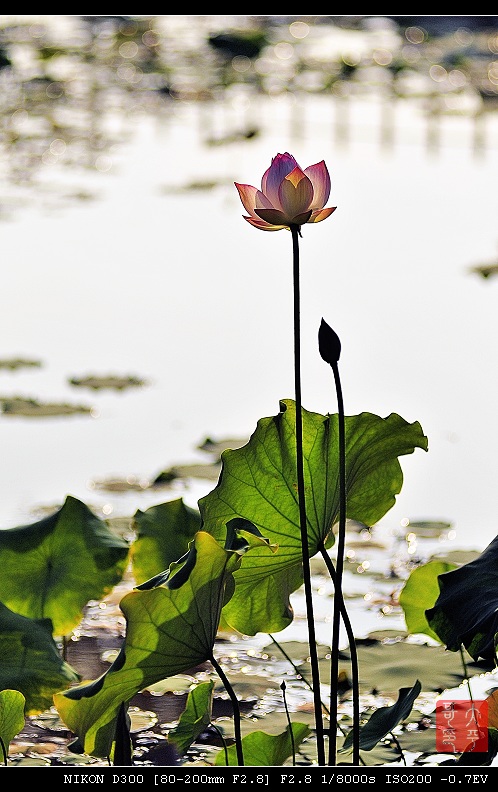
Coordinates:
150	279
129	263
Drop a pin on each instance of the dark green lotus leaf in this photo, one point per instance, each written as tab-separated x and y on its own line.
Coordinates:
52	568
480	759
384	719
162	536
419	593
195	718
30	661
474	758
170	629
258	482
466	611
12	718
266	750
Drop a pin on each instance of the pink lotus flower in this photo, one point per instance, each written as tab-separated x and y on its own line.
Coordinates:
289	196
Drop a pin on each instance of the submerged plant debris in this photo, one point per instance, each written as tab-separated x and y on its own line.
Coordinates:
107	382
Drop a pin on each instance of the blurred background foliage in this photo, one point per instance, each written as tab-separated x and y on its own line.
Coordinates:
63	79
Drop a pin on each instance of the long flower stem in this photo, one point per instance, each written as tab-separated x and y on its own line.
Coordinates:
355	679
236	710
315	672
338	594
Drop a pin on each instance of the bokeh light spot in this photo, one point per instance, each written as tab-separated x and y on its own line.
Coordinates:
438	73
284	50
241	63
415	35
383	57
128	49
299	29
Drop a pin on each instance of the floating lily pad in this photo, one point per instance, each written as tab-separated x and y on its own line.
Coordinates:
15	363
32	408
249	686
140	720
128	484
217	447
174	684
77	759
428	529
386	667
200	471
193	186
108	382
389	636
485	270
49	720
420	741
457	557
30	762
297	651
235	137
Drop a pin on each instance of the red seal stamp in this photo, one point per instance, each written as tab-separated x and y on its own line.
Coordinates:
461	726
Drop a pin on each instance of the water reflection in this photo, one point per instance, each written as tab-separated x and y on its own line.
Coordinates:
70	85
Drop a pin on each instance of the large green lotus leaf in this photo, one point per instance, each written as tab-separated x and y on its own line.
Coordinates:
258	482
30	661
466	611
266	750
163	533
171	628
263	604
419	593
384	719
195	718
52	568
12	718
